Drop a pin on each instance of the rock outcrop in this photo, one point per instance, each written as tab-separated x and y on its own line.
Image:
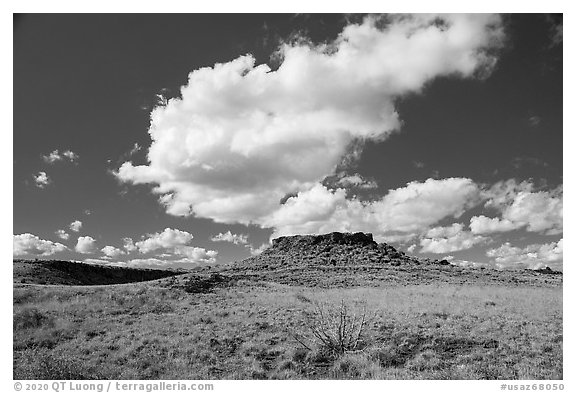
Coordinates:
547	270
331	249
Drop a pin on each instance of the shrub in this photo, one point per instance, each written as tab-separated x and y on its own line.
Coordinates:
336	330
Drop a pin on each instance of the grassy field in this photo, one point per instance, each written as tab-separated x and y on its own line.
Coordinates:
255	330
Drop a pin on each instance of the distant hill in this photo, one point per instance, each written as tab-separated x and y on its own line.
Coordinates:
77	273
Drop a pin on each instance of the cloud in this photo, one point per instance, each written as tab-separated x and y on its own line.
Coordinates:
519	162
355	180
254	251
453	238
483	225
242	136
71	156
76	226
534	121
52	157
172	242
129	244
167	239
175	253
62	234
555	30
522	207
421	204
112	252
29	244
196	254
55	156
400	215
85	245
41	179
150	263
230	237
135	149
531	256
464	263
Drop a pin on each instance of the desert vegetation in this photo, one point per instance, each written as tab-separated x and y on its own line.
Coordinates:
246	329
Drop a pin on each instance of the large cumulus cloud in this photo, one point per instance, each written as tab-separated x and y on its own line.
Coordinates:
532	256
409	210
242	136
521	206
29	244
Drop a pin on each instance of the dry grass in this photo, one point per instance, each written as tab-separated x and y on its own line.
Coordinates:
159	331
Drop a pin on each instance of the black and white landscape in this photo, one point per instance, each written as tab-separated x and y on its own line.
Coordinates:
275	196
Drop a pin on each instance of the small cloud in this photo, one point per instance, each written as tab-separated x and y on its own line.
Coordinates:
440	240
41	180
135	149
150	263
161	100
76	226
129	244
356	181
167	239
55	156
259	250
85	245
196	254
418	164
29	244
62	234
112	252
52	157
557	35
519	162
534	121
482	225
71	156
230	237
464	263
87	212
556	32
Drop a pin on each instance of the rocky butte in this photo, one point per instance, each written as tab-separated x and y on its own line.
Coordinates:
336	249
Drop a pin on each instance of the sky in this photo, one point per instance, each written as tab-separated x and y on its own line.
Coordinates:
170	140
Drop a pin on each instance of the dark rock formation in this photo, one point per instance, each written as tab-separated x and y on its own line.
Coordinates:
332	249
547	270
334	238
